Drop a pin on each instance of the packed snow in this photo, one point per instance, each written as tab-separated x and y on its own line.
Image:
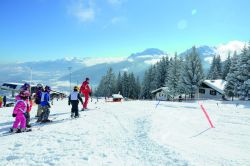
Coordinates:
135	133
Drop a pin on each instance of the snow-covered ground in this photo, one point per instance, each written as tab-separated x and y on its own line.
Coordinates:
132	133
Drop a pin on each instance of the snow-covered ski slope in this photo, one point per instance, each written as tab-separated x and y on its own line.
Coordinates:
133	133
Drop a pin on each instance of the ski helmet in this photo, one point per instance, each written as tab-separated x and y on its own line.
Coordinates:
47	88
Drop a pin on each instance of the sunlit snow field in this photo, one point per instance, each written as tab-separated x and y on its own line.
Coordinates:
132	133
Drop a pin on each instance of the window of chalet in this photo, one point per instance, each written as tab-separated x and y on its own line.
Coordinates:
202	91
213	92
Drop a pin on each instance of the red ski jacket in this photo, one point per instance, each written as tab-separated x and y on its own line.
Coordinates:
85	88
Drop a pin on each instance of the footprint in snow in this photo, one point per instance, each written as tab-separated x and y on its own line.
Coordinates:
9	158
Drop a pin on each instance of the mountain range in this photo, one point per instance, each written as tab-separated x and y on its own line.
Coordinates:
57	73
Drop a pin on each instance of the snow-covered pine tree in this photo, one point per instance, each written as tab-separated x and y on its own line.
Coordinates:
215	71
210	72
182	87
219	67
107	84
132	86
231	78
162	71
153	77
119	83
192	75
243	74
125	85
174	76
226	67
99	89
138	87
145	94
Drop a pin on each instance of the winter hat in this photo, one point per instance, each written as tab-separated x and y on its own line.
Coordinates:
87	78
76	88
39	85
47	88
25	87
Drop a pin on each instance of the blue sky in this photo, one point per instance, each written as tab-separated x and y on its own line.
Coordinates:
51	29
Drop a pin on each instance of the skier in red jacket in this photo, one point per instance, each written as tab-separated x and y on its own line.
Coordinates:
86	91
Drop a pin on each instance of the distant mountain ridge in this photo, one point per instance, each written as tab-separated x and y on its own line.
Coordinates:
57	73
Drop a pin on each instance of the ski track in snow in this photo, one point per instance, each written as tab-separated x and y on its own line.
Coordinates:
99	137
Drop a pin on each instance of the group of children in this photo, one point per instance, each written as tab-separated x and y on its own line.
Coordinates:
23	104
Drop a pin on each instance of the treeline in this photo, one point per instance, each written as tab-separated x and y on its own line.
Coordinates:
182	76
238	77
125	83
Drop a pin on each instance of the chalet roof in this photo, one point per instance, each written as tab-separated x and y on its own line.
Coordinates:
117	96
218	85
159	89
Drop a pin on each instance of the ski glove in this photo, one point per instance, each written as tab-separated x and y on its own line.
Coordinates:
13	115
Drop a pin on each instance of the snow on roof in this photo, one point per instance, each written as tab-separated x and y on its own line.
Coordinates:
160	89
117	96
218	85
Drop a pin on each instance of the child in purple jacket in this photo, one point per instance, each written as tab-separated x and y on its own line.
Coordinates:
19	111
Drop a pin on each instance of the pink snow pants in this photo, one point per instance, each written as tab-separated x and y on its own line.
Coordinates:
20	118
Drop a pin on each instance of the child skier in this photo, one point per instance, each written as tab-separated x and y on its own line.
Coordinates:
26	88
74	99
19	111
38	96
45	105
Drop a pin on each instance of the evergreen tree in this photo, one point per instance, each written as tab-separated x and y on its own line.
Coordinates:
119	83
132	86
243	73
153	77
107	84
226	67
231	78
125	85
138	87
192	75
145	90
210	72
174	76
162	72
215	71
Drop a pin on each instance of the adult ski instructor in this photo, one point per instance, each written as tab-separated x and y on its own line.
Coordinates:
86	91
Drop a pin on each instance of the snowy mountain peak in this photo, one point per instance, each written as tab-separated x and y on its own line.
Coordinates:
148	53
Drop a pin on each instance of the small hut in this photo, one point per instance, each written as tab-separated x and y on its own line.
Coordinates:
117	97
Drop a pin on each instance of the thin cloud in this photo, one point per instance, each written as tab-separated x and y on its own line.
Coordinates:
83	10
94	61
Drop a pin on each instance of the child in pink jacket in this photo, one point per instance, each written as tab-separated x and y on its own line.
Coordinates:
19	111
